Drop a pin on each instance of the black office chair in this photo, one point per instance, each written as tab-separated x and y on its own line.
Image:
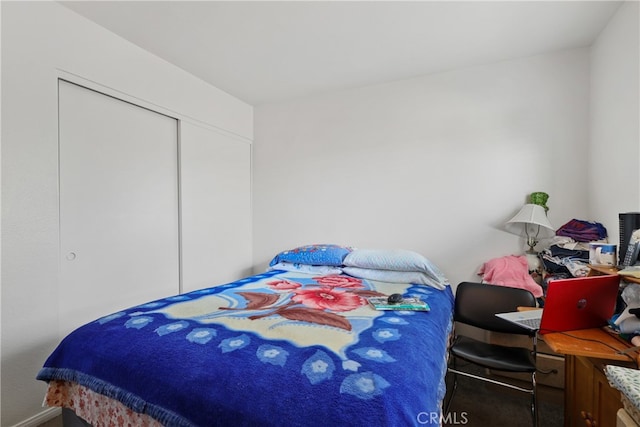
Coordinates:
476	304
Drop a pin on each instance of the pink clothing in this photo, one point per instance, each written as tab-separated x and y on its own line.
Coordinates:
512	271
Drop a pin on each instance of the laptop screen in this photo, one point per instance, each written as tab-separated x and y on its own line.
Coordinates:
579	303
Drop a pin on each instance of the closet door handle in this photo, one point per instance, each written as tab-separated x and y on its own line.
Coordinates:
71	256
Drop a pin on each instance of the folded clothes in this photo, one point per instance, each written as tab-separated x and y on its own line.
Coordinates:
560	260
583	231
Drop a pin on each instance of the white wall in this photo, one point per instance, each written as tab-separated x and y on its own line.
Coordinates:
614	151
434	164
40	42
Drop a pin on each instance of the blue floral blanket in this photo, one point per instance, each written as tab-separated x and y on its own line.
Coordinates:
279	348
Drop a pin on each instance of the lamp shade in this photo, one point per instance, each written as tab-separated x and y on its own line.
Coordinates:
529	215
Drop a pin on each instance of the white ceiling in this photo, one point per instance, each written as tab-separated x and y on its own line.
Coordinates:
269	51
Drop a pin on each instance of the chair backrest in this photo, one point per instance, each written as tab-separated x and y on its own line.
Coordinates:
476	304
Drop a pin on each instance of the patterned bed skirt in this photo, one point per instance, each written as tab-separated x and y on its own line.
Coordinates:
96	409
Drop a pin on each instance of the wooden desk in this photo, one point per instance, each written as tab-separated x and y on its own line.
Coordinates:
599	343
589	399
596	270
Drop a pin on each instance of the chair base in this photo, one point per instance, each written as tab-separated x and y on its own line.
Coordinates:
531	391
492	381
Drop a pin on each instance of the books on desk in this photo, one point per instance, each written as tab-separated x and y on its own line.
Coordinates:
382	303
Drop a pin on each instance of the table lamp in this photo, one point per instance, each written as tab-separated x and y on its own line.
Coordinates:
531	221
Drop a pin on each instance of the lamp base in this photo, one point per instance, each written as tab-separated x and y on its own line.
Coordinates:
535	266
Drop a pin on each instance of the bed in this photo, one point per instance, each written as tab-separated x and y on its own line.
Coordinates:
298	345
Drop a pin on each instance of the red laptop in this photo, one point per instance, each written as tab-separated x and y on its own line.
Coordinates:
570	304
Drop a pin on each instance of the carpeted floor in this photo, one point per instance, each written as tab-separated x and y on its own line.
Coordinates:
480	404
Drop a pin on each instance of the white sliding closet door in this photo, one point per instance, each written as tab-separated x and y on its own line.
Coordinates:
118	205
216	207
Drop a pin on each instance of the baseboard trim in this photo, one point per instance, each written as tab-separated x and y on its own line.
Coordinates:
42	417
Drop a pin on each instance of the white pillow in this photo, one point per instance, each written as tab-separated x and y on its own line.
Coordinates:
395	260
415	277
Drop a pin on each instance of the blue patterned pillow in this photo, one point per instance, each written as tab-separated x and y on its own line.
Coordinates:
313	255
